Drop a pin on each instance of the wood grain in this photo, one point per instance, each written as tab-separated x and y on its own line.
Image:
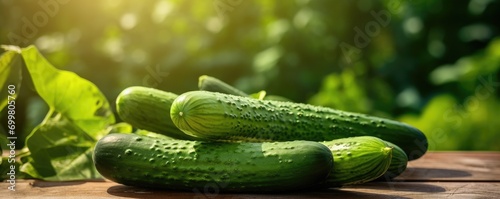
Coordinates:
436	175
454	167
38	189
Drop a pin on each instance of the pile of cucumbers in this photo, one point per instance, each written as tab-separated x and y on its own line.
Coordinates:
223	138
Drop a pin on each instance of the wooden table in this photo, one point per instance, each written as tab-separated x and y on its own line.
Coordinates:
436	175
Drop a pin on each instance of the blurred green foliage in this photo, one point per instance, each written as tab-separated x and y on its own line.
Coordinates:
418	61
471	123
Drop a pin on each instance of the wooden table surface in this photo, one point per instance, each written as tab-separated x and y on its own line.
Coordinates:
435	175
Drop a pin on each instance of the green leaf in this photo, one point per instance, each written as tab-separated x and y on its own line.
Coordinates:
5	169
10	74
60	150
6	161
65	92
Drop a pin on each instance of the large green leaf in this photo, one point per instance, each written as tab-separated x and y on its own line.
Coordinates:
10	74
65	92
60	150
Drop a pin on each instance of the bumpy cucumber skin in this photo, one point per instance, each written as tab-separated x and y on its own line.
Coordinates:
217	116
208	83
149	109
228	167
358	160
399	162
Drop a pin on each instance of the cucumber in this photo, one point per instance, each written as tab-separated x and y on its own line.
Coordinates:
358	160
399	162
217	116
208	83
149	162
149	109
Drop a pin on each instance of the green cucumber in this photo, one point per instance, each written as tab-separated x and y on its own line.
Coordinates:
149	109
398	165
144	161
208	83
358	160
217	116
212	84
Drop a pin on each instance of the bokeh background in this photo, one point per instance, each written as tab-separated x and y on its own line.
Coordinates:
432	64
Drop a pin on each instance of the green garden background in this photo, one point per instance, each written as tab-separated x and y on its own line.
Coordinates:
432	64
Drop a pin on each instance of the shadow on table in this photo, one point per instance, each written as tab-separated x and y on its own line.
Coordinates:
380	189
423	174
137	192
400	187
